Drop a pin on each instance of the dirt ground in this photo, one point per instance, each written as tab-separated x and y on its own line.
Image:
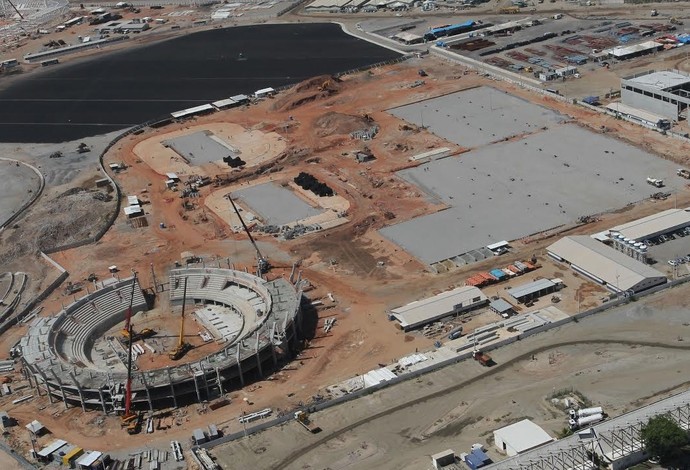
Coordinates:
620	360
364	272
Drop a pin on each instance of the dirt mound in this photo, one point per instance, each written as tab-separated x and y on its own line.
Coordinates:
333	123
307	91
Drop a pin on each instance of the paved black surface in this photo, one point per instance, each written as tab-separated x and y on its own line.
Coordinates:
121	89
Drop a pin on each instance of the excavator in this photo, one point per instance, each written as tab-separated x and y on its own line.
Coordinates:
182	346
262	263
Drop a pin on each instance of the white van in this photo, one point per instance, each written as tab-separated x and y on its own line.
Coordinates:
557	16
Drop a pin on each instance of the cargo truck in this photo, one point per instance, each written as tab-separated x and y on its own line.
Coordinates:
302	417
483	358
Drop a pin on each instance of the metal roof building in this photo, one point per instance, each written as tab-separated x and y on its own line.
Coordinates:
422	312
605	265
654	225
640	115
501	307
520	437
533	290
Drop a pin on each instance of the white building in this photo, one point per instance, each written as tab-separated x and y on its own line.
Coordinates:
520	437
604	265
454	302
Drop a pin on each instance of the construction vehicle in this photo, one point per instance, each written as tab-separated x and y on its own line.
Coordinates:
182	346
657	183
262	263
302	417
483	358
134	425
683	173
137	335
655	12
675	21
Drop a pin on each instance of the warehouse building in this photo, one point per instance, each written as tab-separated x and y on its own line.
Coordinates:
425	311
536	289
520	437
604	265
640	116
664	222
666	93
636	50
502	308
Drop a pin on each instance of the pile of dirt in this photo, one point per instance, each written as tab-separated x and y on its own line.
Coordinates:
333	123
307	91
70	217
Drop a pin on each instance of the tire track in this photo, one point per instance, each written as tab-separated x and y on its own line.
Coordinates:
457	386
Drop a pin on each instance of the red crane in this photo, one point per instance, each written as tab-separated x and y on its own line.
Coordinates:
128	416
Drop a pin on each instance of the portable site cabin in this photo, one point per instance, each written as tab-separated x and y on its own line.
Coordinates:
264	92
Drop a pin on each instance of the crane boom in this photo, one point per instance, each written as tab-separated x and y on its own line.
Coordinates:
262	262
184	302
128	327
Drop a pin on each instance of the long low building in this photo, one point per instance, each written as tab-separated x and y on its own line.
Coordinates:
654	225
604	265
425	311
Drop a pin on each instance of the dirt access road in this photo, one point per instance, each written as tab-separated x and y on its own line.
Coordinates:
620	359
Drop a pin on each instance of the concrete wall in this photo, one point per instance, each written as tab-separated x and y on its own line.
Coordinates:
650	104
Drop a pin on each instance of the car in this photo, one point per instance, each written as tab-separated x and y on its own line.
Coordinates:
672	262
671	236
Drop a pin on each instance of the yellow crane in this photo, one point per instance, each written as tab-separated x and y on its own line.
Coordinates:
182	346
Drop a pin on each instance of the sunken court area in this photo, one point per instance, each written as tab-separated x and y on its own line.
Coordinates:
550	176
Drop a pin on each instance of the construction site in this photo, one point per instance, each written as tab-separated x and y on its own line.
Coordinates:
385	263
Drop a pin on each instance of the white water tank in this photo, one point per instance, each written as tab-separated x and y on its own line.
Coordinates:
591	419
589	411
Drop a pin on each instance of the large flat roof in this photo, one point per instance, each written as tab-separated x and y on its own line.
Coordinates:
649	226
426	310
603	262
661	80
523	435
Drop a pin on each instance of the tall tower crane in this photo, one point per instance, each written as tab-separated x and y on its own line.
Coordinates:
262	263
182	346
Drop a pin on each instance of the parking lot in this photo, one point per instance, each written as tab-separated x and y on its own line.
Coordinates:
671	251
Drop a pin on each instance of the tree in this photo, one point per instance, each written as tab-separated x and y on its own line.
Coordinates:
663	437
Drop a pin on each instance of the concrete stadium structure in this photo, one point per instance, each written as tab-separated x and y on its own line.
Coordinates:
60	360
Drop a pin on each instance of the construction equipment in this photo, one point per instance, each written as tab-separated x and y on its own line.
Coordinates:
302	417
483	358
655	12
182	346
128	414
137	335
657	183
134	425
683	173
675	21
262	263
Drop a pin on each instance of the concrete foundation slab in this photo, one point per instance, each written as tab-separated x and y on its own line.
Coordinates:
478	116
514	189
275	204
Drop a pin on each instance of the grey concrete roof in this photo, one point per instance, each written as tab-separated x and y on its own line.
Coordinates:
661	80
